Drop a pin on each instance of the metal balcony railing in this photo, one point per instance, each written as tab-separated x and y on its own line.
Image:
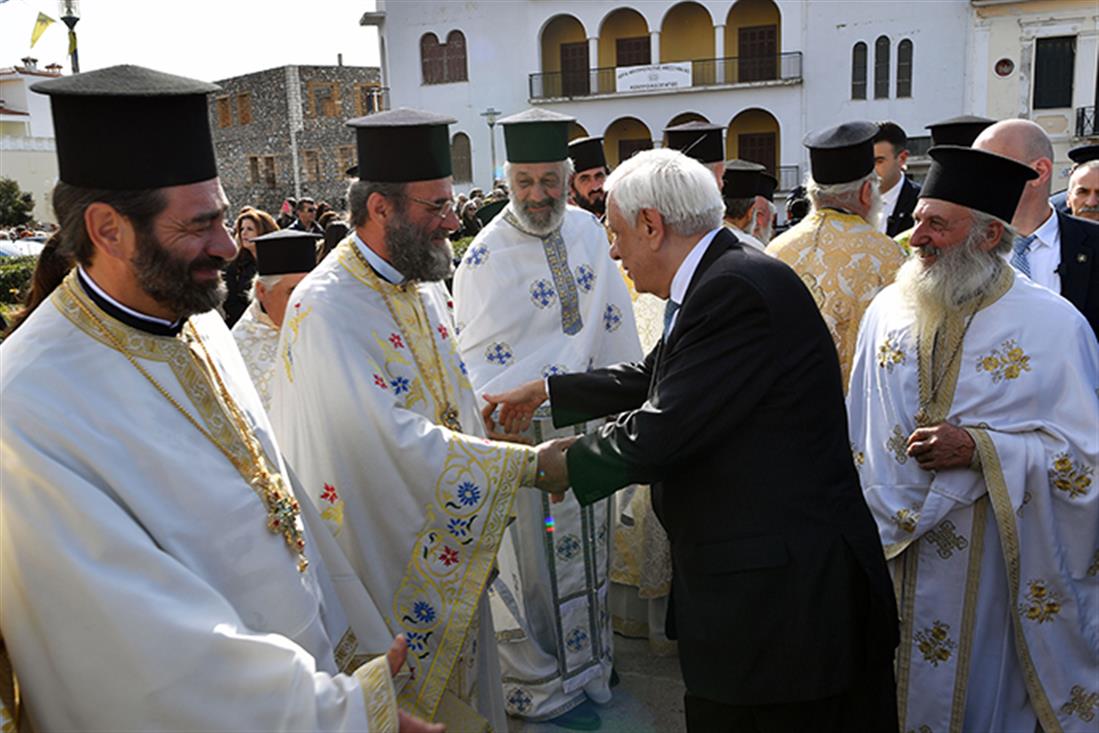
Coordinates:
1085	122
785	67
789	177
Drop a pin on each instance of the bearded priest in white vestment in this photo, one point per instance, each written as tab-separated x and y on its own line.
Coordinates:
156	572
973	413
374	409
537	294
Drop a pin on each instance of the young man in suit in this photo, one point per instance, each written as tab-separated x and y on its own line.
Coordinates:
898	191
781	601
1054	249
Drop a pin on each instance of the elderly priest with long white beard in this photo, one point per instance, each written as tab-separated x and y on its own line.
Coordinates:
156	573
374	409
538	294
973	414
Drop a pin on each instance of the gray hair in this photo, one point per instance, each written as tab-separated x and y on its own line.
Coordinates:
1085	166
838	195
738	208
982	221
358	193
565	171
680	188
269	281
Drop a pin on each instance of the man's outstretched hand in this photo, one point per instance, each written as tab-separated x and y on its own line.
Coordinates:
553	469
407	723
517	408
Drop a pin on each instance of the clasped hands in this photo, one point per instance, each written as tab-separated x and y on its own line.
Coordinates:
941	447
517	408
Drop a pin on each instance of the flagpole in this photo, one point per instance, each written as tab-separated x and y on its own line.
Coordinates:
70	14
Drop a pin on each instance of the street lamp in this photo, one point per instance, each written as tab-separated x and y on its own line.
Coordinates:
491	115
70	14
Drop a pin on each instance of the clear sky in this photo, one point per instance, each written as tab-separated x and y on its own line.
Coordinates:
204	39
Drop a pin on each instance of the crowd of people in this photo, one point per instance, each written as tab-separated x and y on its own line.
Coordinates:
842	467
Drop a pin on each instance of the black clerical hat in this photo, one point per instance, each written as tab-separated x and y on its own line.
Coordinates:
958	130
699	140
285	251
587	153
843	153
1083	154
536	136
976	179
488	212
743	179
131	128
402	145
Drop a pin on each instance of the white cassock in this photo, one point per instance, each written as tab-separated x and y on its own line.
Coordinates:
529	307
141	587
746	238
996	568
257	337
366	371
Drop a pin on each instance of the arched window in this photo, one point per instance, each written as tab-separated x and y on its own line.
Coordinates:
904	68
460	158
431	59
881	68
858	71
455	53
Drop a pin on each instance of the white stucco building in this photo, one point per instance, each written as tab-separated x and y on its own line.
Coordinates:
769	71
26	134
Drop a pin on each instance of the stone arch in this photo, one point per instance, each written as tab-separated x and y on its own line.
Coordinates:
754	134
624	137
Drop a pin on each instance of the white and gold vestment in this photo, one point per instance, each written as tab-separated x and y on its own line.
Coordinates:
996	566
257	337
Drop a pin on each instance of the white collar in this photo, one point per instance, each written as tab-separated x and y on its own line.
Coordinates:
1049	233
87	279
390	273
889	198
687	268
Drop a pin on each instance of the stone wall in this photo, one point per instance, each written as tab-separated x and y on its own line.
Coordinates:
255	159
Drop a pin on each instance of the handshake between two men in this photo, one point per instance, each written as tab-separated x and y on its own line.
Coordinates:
516	412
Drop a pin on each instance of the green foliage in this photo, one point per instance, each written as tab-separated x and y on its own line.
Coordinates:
460	247
15	277
15	205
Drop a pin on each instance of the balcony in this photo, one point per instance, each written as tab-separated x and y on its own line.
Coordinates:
789	177
782	69
1085	122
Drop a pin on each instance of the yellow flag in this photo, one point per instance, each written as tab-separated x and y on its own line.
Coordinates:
72	42
44	21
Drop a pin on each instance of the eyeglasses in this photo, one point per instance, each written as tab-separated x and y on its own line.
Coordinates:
310	210
442	210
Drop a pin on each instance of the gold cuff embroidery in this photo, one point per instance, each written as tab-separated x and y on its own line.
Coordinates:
379	695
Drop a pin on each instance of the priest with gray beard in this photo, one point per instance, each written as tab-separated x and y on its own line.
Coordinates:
972	409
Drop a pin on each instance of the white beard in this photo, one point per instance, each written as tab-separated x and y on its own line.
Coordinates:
554	217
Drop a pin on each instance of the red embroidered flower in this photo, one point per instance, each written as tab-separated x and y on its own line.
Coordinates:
395	339
378	380
442	331
449	556
329	494
450	304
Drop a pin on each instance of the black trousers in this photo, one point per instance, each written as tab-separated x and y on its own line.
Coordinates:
869	706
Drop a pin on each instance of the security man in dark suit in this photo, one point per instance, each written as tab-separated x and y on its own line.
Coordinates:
899	192
781	601
1055	250
1078	156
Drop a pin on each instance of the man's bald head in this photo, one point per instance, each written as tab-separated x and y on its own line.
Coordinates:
1024	141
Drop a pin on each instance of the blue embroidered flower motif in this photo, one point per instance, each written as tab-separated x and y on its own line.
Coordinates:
585	278
518	701
542	293
568	547
400	385
458	527
423	611
477	256
612	317
553	370
577	640
462	367
469	493
417	642
499	353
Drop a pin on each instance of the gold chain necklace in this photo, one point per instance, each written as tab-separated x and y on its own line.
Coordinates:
930	392
445	410
282	508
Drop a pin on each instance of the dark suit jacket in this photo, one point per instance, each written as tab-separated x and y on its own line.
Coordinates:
1079	267
901	218
780	589
1059	201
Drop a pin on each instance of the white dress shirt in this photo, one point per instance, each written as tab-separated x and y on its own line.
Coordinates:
889	201
1045	253
388	272
686	271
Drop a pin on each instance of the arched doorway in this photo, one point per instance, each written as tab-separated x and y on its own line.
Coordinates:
754	135
753	41
683	118
624	137
565	63
576	130
687	34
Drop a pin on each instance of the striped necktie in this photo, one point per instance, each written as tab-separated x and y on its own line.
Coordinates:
1020	259
670	309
